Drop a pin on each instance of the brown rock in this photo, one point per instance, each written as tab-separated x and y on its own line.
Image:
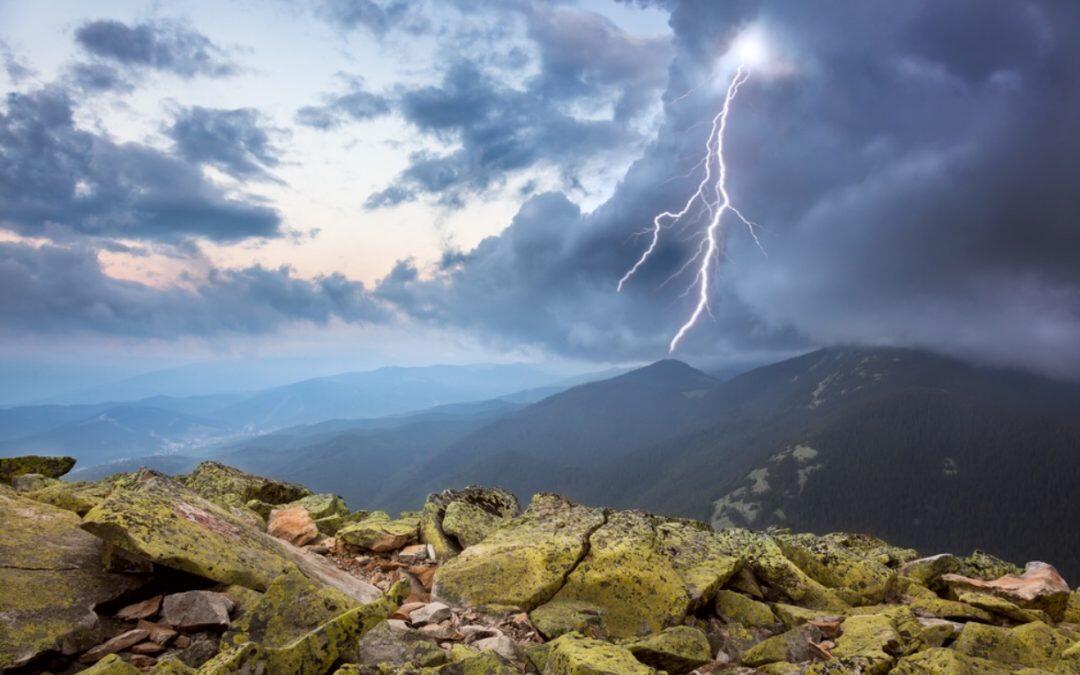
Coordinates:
182	642
1039	587
142	661
117	644
424	574
293	525
407	607
159	634
149	648
141	610
195	610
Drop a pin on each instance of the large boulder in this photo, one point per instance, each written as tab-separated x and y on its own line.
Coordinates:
50	467
674	650
292	524
573	654
157	518
78	497
523	563
385	645
234	488
1034	644
854	575
947	662
456	519
380	533
1039	587
43	550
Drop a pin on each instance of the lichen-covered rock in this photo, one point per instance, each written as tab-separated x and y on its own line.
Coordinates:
1001	607
523	563
50	467
737	607
171	665
675	650
233	488
573	654
1072	608
1039	587
484	663
790	646
322	505
942	661
624	578
699	555
379	533
43	550
857	578
1033	644
331	642
452	520
159	519
111	665
78	497
384	645
955	610
291	607
28	482
874	641
793	615
982	565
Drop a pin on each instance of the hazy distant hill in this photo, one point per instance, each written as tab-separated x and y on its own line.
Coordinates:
918	448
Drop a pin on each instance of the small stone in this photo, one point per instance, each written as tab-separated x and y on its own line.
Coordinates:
142	661
141	610
433	612
160	634
150	648
196	610
413	554
116	644
439	631
293	525
500	644
182	642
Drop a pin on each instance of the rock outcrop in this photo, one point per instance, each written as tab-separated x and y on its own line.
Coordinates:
216	580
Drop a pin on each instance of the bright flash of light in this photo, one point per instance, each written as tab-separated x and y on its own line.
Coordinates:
711	198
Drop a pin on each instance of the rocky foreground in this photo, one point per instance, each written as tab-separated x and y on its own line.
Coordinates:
219	571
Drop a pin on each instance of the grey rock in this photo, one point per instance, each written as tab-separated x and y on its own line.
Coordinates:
195	610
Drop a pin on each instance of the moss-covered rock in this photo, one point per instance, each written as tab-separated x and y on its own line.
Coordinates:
50	580
573	654
875	640
291	607
483	663
234	488
171	665
523	563
379	533
322	505
699	555
29	482
1001	607
51	467
675	650
793	615
1033	644
942	661
856	577
78	497
627	580
318	650
473	513
160	520
1040	587
766	559
385	645
939	608
790	646
736	607
112	665
982	565
1072	608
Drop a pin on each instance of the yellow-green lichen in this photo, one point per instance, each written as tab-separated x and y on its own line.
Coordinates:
573	654
1033	644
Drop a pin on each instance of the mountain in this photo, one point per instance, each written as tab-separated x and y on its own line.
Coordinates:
376	393
923	449
120	432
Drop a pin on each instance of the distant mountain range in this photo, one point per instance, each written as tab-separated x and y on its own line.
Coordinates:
917	448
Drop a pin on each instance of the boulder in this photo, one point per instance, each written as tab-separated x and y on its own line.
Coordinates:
50	467
78	497
1072	608
1001	607
172	665
955	610
852	574
385	646
1033	644
42	548
500	644
1039	587
111	665
946	662
523	563
290	608
196	610
574	654
625	580
292	524
379	533
790	646
674	650
28	482
473	513
322	505
163	521
740	609
233	488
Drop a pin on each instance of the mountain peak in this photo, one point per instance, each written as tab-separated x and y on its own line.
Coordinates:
667	371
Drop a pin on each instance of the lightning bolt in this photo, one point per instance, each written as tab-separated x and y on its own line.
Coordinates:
716	205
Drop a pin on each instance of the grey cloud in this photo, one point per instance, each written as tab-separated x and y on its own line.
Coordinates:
586	63
379	17
165	45
16	70
55	175
62	289
356	104
918	187
97	77
235	141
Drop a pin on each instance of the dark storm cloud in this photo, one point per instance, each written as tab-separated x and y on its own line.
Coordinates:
235	141
916	174
165	46
559	119
55	176
97	77
356	104
63	289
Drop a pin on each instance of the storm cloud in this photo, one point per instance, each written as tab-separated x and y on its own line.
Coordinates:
165	46
235	141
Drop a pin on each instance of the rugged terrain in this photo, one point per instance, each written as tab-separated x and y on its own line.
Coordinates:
220	571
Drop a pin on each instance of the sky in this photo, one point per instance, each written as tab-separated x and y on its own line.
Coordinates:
366	182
